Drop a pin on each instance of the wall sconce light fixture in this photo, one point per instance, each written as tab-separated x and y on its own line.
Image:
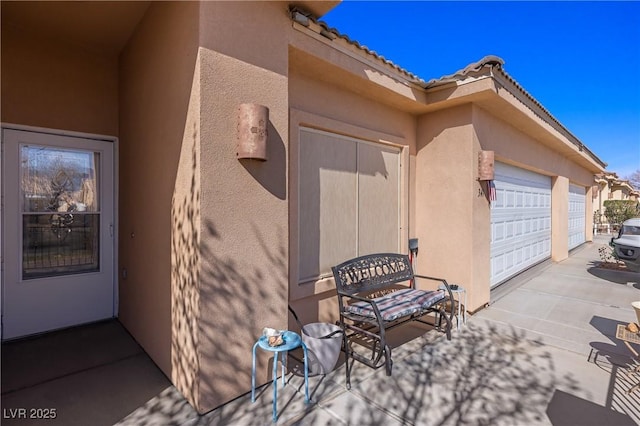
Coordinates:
253	120
486	165
486	174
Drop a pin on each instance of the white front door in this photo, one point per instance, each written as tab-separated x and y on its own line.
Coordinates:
57	228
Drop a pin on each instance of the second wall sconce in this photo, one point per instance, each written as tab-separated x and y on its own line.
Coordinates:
253	120
486	165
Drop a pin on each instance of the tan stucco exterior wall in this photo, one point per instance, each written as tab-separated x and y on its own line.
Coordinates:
518	148
52	84
244	206
185	252
588	208
559	218
214	269
158	135
452	221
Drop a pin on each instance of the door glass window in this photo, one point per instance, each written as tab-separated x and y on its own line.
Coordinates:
60	211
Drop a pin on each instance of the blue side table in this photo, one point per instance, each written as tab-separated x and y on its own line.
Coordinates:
291	341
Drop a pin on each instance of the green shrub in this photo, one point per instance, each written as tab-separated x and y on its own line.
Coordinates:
617	211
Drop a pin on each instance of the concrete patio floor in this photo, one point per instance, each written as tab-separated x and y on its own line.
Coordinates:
543	354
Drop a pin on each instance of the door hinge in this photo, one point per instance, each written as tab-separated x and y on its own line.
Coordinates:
111	229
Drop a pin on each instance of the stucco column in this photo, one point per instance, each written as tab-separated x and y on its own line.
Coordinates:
559	218
588	208
451	219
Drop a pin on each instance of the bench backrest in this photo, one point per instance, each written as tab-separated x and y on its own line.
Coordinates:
372	272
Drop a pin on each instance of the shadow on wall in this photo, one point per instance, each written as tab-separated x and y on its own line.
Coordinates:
218	302
271	174
185	222
234	301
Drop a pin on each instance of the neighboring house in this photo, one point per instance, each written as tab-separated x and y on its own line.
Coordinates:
196	250
609	187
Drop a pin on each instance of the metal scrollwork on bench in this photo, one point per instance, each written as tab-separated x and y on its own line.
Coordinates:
372	272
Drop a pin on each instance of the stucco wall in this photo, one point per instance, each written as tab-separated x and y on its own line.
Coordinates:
515	147
317	97
52	84
156	132
244	264
559	218
451	220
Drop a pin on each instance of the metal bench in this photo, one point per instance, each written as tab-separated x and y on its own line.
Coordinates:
376	293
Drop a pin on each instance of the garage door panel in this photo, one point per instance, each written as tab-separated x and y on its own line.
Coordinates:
520	221
577	203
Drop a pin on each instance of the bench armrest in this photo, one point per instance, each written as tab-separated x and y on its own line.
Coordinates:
367	300
447	288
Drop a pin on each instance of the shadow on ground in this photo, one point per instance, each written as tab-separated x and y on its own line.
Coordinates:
617	276
567	409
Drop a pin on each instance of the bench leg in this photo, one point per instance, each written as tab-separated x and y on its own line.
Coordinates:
345	344
387	359
447	330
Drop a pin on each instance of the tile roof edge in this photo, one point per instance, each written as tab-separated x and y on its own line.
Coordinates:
548	117
304	18
496	63
489	60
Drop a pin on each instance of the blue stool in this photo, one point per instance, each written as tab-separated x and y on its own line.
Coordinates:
291	341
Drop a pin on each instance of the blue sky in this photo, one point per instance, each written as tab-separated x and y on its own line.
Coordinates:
580	60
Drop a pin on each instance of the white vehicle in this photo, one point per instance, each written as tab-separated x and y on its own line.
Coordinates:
627	245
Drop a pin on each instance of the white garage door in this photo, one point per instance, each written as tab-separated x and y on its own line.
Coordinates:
576	215
520	221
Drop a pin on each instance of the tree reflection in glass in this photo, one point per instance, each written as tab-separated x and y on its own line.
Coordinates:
60	211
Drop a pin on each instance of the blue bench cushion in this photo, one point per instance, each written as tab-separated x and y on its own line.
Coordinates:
398	304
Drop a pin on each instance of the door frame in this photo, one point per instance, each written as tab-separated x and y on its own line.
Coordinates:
116	185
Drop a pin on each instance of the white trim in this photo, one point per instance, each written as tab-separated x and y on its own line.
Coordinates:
350	138
58	132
